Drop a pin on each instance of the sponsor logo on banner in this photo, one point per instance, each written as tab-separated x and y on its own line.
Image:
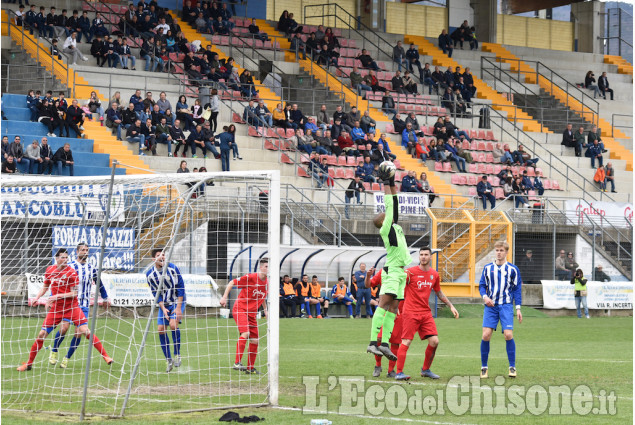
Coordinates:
558	294
599	212
62	202
132	290
409	203
119	253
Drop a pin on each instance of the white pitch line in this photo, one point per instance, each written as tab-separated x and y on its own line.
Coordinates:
594	360
382	418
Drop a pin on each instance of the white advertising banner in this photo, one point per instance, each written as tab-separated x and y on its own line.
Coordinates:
131	290
596	211
62	202
409	203
558	294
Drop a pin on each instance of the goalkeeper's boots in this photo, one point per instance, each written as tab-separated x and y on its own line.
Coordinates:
239	366
402	377
484	374
391	374
385	350
373	349
252	371
53	357
24	367
169	366
177	361
108	360
377	371
429	374
512	372
64	363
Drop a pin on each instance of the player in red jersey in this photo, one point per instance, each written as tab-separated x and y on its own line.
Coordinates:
417	317
63	305
395	338
252	296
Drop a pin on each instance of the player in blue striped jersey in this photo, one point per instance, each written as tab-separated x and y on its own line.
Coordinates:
500	288
87	275
171	302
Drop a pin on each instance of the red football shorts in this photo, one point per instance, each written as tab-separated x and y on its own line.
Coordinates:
247	322
395	338
423	324
74	315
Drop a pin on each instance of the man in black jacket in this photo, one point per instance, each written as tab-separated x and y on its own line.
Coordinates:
568	138
64	158
75	118
179	138
485	192
398	123
603	84
46	166
98	50
355	188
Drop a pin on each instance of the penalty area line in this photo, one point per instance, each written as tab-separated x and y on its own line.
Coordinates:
382	418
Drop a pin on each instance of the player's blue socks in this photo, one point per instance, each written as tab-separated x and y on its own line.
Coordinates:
74	344
165	345
511	352
307	308
318	309
176	338
350	309
58	340
485	352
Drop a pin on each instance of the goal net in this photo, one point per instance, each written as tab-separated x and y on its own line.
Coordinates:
198	219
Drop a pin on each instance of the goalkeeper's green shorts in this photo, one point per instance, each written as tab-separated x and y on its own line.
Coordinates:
393	281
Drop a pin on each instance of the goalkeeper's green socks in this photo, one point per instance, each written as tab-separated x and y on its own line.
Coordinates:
389	324
378	322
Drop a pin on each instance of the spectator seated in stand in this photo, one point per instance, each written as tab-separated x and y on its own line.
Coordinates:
445	43
412	56
367	61
366	171
409	182
346	144
63	157
485	192
409	139
254	30
523	158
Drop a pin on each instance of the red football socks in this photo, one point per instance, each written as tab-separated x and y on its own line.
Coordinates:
395	350
430	351
401	357
37	346
240	348
253	351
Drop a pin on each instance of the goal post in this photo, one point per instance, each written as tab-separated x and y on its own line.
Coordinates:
192	217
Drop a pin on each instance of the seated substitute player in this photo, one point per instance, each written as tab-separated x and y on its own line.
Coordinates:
394	281
500	286
62	305
417	316
315	297
341	295
251	297
395	338
302	290
169	286
87	275
287	297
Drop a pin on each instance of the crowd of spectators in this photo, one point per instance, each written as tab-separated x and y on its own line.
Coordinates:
37	157
56	113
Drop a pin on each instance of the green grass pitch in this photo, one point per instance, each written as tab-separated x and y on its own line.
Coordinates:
567	351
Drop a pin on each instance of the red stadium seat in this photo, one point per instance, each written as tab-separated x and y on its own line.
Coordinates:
390	128
479	157
367	186
489	147
237	119
463	180
339	173
285	159
489	135
532	195
481	146
555	185
281	132
290	133
495	181
447	167
472	168
489	158
456	179
349	173
269	145
341	161
546	184
302	172
472	180
499	193
489	169
531	172
438	166
472	191
253	132
351	161
305	159
497	169
376	187
331	160
481	135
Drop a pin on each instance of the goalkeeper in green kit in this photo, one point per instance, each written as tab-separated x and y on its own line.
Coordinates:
393	280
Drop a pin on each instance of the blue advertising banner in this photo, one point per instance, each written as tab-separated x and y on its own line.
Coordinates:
120	245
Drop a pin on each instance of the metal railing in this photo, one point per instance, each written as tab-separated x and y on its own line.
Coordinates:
336	12
613	126
30	44
512	80
624	46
